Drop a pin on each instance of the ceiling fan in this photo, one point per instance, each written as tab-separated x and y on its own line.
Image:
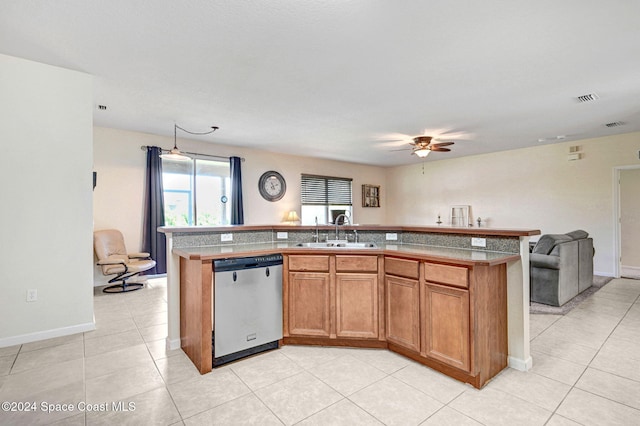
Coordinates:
422	146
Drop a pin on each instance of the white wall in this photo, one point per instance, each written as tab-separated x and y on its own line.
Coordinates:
45	170
630	219
120	163
526	188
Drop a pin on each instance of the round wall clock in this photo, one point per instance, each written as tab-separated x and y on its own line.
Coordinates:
272	186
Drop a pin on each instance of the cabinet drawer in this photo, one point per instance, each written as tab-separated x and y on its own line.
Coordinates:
356	263
446	274
401	267
309	263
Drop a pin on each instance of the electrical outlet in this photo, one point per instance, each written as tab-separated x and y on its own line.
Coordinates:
226	237
391	236
32	295
479	242
282	235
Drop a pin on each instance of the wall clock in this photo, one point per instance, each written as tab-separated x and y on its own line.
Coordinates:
272	186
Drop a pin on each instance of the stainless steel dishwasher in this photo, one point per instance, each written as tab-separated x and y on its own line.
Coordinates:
247	306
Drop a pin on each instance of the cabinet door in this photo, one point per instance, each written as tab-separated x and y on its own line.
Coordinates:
357	305
309	305
403	312
446	326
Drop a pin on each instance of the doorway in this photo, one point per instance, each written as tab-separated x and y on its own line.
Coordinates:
628	222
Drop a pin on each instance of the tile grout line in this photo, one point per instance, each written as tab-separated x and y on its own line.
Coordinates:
166	385
555	411
253	392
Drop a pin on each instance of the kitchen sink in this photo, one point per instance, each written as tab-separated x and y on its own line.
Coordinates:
338	244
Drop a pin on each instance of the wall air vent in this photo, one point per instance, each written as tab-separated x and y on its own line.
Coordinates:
589	97
615	124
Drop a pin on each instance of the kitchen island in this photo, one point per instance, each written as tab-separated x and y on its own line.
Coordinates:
459	310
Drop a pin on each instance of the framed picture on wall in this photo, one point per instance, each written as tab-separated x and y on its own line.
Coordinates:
459	216
370	196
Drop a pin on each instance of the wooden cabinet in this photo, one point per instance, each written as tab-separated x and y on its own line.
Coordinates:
445	313
402	267
309	304
357	297
402	299
446	325
450	316
357	305
196	285
403	311
334	297
309	295
457	276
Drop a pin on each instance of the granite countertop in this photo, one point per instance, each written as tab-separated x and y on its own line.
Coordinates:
509	232
423	252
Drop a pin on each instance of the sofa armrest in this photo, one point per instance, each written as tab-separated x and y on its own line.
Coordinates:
139	255
546	261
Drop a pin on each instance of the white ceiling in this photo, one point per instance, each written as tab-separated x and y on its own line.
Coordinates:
337	78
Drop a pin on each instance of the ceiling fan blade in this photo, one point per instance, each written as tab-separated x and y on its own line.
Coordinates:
439	144
435	148
402	149
392	143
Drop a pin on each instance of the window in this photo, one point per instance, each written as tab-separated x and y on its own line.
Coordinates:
196	192
324	198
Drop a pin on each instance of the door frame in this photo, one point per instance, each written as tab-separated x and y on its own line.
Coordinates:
617	264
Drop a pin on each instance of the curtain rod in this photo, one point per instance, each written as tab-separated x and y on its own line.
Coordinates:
144	148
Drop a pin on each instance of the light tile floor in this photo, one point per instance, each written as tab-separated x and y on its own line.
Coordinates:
586	371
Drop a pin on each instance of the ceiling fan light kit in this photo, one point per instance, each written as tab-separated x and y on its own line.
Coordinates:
422	152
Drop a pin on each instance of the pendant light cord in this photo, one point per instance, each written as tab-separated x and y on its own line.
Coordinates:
213	129
175	133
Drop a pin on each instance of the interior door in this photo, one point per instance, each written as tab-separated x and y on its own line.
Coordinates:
630	223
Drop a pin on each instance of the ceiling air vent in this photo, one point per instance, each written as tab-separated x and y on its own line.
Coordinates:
588	97
615	124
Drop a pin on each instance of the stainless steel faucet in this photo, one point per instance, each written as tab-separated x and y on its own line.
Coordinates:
316	235
337	221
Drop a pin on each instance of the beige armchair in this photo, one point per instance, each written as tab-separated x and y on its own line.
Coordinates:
114	260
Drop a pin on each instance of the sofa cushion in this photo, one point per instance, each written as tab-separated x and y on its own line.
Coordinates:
547	242
578	234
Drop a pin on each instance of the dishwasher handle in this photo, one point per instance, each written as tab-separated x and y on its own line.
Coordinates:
267	272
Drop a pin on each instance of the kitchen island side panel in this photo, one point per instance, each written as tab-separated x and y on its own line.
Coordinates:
196	284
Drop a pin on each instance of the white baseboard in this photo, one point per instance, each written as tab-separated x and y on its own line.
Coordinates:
630	271
604	274
46	334
520	364
173	344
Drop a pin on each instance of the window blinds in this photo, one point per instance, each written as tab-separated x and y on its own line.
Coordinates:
325	190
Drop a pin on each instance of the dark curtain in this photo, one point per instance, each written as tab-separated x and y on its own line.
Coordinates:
237	211
154	242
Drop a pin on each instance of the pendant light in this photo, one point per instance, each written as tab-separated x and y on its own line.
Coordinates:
174	153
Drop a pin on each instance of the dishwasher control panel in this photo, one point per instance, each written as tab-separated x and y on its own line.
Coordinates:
239	263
